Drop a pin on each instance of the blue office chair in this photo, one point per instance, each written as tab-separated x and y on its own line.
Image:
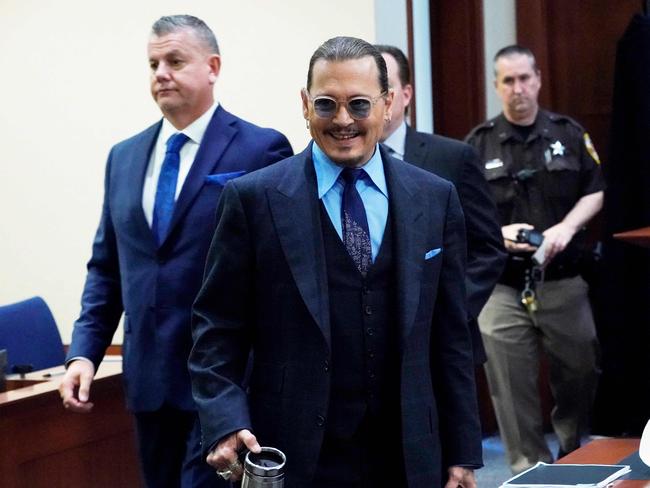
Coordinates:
29	334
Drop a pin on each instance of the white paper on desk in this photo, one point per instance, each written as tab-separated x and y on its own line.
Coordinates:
644	447
544	475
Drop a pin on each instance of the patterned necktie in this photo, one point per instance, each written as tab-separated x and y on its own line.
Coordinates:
166	190
356	236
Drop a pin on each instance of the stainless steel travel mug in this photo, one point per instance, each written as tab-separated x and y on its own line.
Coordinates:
265	469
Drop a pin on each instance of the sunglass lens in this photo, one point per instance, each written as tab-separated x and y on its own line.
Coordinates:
324	107
359	108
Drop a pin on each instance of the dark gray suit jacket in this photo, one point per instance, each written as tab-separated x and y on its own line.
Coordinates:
265	289
459	163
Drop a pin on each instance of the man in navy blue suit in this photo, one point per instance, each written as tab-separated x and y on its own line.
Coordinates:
342	269
161	191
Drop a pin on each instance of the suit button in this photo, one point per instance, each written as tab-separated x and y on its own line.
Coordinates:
370	331
161	260
320	420
326	366
368	310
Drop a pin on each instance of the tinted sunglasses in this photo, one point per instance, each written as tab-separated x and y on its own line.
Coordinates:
358	107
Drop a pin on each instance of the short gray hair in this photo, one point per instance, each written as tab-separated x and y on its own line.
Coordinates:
512	50
344	49
172	23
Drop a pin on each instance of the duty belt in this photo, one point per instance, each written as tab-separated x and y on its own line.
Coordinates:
518	266
533	276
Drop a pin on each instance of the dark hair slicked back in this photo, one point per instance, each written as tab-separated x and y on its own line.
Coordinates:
172	23
345	48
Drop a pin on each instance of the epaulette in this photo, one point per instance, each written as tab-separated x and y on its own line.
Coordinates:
560	119
487	125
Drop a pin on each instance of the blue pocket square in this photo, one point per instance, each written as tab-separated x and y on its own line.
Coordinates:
222	178
432	253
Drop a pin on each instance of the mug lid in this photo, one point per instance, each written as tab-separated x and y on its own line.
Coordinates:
269	462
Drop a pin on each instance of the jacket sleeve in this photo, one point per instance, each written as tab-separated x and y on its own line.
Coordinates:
101	301
452	368
486	253
221	325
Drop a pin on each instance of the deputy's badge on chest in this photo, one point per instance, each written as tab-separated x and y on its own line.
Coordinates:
556	149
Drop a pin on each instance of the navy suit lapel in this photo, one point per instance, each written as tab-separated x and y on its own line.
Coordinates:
218	135
141	154
296	214
406	211
415	147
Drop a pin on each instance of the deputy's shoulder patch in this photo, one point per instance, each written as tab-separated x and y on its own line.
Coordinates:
591	149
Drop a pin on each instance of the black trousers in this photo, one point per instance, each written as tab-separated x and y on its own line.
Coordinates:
170	450
373	457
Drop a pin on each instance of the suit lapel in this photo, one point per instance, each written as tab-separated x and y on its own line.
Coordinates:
406	211
218	135
141	155
296	215
415	147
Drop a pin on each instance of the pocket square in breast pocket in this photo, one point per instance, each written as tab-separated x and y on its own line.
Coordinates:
432	253
222	178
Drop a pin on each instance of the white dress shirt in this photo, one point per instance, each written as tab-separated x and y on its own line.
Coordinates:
397	141
188	152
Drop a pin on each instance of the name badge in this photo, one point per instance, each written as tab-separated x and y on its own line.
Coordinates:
493	163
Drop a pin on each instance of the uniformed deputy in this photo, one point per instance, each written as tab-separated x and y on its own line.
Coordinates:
545	176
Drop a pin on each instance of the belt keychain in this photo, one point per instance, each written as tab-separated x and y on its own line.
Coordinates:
528	295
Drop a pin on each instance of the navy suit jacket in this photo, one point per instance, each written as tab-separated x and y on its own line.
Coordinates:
155	286
268	247
459	163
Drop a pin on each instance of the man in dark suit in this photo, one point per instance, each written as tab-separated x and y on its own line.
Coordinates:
342	270
161	191
459	163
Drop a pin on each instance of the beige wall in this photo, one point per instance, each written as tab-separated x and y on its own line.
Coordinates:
500	30
74	80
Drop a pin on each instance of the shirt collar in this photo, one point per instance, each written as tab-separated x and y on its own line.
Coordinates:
505	130
397	140
327	172
194	131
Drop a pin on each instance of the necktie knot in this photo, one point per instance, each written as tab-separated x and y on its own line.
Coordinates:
351	175
176	142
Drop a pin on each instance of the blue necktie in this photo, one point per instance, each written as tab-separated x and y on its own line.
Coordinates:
166	191
356	236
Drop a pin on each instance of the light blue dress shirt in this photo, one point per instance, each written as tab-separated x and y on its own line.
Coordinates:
372	189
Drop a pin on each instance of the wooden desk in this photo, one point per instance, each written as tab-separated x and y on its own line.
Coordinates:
607	451
44	446
640	237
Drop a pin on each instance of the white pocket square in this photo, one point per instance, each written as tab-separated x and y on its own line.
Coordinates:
432	253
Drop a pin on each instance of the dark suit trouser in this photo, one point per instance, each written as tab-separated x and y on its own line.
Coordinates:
370	459
170	453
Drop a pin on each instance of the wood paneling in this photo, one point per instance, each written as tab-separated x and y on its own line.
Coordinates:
457	66
575	46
